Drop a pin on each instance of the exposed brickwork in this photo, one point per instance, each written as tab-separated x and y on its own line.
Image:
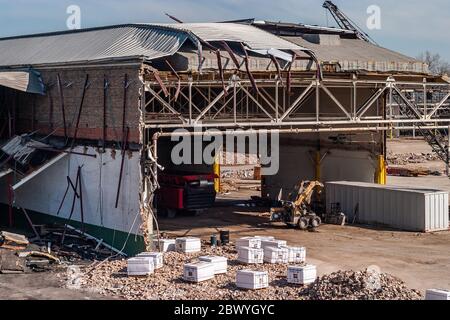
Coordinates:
47	109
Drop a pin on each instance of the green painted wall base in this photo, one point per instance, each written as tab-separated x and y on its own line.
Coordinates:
115	238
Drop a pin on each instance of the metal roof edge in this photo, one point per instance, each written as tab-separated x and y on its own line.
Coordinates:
132	60
63	32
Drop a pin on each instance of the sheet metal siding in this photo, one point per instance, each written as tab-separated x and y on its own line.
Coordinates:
91	45
433	203
411	209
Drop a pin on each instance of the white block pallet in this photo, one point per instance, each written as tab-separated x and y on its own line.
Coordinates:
220	263
273	243
140	266
276	255
264	238
296	254
250	255
437	294
252	280
157	257
198	272
302	274
251	242
188	245
164	245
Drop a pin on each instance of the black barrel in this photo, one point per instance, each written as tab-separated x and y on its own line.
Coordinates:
224	237
213	240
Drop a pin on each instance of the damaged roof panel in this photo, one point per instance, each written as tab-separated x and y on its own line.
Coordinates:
253	37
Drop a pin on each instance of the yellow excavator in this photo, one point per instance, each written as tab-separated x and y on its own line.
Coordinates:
297	212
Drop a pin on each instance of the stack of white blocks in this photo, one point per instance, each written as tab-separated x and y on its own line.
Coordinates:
198	272
273	243
205	269
258	249
296	254
188	245
253	280
164	245
250	255
140	266
302	274
157	257
276	255
437	294
220	263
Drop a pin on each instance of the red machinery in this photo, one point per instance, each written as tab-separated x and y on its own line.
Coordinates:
185	192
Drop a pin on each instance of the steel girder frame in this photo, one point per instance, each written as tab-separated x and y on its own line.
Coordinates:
238	105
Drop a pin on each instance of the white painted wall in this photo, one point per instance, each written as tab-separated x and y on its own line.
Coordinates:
100	177
296	164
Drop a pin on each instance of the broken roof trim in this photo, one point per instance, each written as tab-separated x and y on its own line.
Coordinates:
25	80
292	25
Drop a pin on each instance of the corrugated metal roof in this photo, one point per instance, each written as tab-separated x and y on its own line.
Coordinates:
152	41
253	37
356	54
88	45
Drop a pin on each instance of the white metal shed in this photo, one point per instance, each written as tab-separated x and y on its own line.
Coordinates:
412	209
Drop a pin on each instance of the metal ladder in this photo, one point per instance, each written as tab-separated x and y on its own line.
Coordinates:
434	137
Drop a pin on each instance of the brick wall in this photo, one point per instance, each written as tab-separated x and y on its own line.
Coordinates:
47	114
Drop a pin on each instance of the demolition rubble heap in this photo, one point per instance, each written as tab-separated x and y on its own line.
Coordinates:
410	158
110	278
359	285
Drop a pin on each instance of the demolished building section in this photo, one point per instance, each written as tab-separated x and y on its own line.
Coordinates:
114	94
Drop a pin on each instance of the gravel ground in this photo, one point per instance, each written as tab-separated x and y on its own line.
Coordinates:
166	283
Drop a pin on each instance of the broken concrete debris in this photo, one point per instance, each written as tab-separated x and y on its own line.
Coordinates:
409	158
359	285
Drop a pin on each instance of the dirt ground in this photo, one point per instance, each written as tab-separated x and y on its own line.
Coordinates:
39	286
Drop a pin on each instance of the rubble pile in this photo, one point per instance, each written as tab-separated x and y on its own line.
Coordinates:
359	285
236	173
47	251
110	278
232	158
410	158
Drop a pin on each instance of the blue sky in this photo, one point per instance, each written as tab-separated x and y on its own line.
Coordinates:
407	26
